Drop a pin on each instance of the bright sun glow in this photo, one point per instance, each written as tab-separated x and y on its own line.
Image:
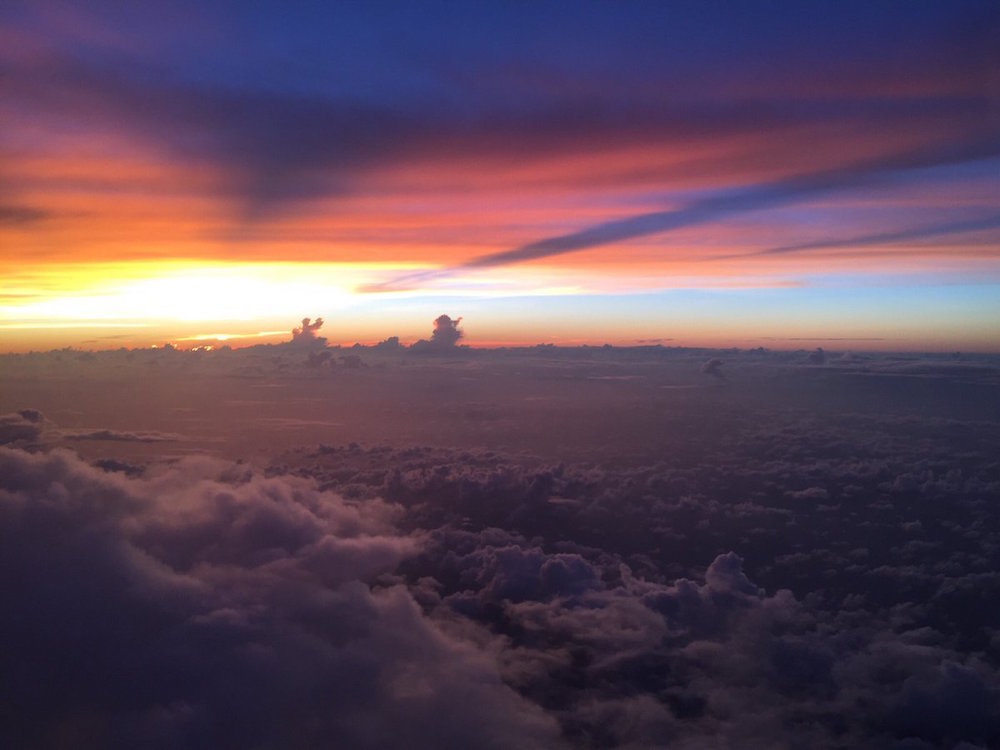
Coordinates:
201	294
108	295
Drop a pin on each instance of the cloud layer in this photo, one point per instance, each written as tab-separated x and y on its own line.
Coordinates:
205	606
793	577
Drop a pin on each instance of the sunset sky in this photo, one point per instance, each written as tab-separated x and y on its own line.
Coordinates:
688	436
686	173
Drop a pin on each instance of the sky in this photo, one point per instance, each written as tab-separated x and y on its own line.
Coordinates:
703	173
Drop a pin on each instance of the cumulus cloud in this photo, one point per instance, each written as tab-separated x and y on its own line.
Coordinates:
446	331
444	336
307	331
713	367
632	663
25	425
184	610
820	622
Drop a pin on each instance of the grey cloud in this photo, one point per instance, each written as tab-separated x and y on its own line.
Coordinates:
146	436
713	367
22	215
724	660
114	465
446	331
444	336
307	331
916	233
23	425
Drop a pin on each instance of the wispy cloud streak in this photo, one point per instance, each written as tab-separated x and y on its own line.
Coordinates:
878	238
716	207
